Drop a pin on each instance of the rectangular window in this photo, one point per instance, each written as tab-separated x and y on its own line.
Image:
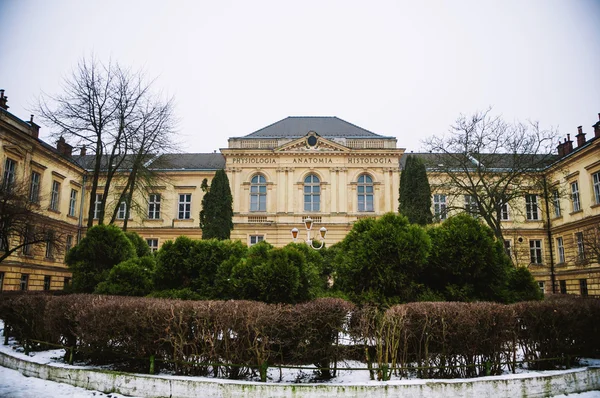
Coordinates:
575	196
97	205
560	247
580	246
10	167
68	244
122	210
254	239
563	286
1	281
439	207
542	286
152	244
50	245
596	182
24	283
504	215
508	247
27	247
583	288
471	205
154	206
185	206
531	207
34	187
47	280
556	203
66	283
55	196
73	203
535	251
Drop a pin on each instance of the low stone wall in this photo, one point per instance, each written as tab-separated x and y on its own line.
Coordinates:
523	385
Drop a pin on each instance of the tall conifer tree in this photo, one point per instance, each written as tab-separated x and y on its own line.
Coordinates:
217	209
415	193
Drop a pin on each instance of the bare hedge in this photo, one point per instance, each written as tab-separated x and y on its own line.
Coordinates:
240	339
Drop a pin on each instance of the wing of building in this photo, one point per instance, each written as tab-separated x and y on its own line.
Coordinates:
324	168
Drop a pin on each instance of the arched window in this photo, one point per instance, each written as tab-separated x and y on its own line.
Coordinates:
365	193
258	193
312	193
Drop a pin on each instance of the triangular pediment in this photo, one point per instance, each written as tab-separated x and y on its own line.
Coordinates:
312	142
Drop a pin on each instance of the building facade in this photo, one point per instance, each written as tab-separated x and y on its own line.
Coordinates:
319	167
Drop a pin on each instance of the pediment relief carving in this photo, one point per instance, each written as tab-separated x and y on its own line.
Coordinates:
312	143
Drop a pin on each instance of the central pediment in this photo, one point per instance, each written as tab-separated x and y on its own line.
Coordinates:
312	143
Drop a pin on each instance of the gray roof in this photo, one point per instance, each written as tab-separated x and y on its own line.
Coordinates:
172	161
325	126
189	161
495	161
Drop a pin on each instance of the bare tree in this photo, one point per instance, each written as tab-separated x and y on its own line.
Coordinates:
148	136
22	225
491	161
104	107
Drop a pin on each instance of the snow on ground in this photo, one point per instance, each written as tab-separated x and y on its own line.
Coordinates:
14	385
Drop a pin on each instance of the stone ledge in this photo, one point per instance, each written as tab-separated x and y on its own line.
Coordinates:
524	385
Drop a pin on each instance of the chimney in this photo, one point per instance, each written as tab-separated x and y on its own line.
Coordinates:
597	128
35	129
3	100
580	137
83	151
568	145
561	149
64	148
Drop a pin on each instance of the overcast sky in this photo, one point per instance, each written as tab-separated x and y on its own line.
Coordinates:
398	68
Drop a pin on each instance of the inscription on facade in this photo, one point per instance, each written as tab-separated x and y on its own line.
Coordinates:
369	161
254	160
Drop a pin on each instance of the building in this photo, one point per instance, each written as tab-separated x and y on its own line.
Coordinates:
331	171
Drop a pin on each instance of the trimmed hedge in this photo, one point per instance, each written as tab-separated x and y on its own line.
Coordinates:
239	339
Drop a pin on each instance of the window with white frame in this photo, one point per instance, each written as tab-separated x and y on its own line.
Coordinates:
560	248
254	239
508	247
439	206
312	193
535	251
531	207
97	205
575	196
185	206
50	244
556	203
24	282
73	203
580	246
27	248
596	182
34	187
55	196
152	244
68	243
471	205
258	193
542	286
10	167
504	214
154	206
47	280
365	193
122	210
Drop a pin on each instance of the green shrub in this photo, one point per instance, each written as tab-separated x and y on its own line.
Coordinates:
129	278
103	247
